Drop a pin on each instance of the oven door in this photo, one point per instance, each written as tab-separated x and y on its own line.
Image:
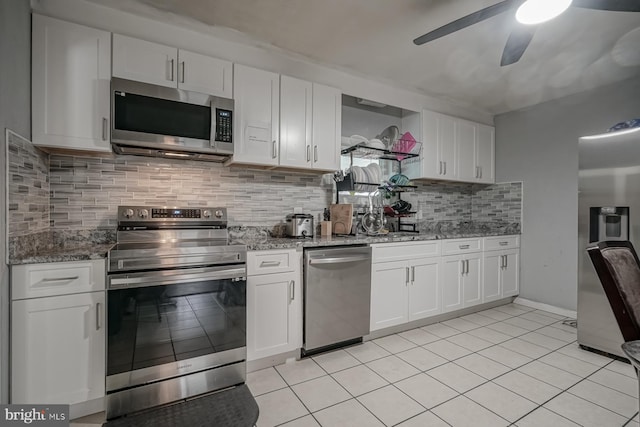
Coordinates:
168	323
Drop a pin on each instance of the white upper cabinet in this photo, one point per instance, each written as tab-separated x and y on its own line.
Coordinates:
310	123
465	140
257	116
284	121
71	72
155	63
295	122
485	157
327	127
438	152
455	149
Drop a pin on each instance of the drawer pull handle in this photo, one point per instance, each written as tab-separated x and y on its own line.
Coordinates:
463	246
503	243
269	263
61	279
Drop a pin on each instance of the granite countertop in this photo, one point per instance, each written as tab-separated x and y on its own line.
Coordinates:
58	246
256	243
67	253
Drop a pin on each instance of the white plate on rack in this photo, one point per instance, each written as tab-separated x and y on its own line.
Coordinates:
375	171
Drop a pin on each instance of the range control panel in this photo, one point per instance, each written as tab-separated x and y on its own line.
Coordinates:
132	214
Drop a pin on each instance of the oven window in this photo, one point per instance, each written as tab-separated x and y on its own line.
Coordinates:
160	324
159	116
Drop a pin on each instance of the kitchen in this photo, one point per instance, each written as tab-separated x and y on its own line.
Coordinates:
314	193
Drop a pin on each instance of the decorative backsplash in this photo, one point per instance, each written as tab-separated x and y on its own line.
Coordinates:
28	187
83	192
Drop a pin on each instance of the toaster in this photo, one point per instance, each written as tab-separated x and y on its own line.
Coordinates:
299	225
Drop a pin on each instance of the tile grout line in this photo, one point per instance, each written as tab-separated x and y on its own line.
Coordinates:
416	345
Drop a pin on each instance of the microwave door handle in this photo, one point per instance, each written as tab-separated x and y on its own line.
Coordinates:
214	125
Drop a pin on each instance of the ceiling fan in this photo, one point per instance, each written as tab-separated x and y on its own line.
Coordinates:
521	36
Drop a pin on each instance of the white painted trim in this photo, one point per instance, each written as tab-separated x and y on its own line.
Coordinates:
546	307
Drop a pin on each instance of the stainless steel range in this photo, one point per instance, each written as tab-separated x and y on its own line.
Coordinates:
176	296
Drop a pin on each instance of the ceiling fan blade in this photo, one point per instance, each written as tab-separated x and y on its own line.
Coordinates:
466	21
517	43
612	5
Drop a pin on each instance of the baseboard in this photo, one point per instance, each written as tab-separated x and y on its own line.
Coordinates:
546	307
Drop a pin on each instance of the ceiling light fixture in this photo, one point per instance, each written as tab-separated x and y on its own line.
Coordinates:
533	12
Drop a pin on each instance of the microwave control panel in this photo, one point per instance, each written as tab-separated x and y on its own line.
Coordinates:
224	125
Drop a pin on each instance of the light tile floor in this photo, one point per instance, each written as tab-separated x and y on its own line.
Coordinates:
507	366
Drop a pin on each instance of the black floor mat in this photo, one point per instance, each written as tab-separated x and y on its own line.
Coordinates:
233	407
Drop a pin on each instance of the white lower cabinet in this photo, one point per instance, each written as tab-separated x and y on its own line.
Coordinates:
58	349
461	281
501	263
274	307
57	342
403	291
501	274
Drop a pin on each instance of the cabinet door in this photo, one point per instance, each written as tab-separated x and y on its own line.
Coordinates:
510	274
424	289
472	280
295	122
326	125
273	326
257	116
465	136
144	61
486	154
58	349
389	282
491	287
201	73
429	166
447	150
71	74
452	268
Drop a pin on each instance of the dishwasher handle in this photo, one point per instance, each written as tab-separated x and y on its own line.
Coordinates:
339	260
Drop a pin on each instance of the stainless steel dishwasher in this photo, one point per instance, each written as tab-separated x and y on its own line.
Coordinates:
337	296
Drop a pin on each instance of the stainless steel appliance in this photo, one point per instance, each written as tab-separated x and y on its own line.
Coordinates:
608	209
337	296
176	298
158	121
299	225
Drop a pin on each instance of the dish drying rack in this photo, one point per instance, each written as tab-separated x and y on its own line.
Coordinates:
347	182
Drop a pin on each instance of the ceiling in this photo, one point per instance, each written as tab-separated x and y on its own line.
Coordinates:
579	50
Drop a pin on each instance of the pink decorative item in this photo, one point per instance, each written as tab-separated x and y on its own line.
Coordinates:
404	144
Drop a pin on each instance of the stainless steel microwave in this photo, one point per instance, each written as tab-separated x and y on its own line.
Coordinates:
168	122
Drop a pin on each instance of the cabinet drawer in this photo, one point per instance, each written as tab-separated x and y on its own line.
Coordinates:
58	278
461	246
401	251
267	262
501	242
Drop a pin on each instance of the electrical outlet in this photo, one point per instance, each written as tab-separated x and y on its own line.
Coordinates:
297	210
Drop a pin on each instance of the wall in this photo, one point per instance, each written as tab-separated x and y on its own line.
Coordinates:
15	114
539	146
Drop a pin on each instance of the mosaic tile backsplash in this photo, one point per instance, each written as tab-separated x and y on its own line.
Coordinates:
84	192
28	187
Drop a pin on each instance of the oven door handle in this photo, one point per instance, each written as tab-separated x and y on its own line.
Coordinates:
138	280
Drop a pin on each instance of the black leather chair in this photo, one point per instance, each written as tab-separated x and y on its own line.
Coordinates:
618	268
